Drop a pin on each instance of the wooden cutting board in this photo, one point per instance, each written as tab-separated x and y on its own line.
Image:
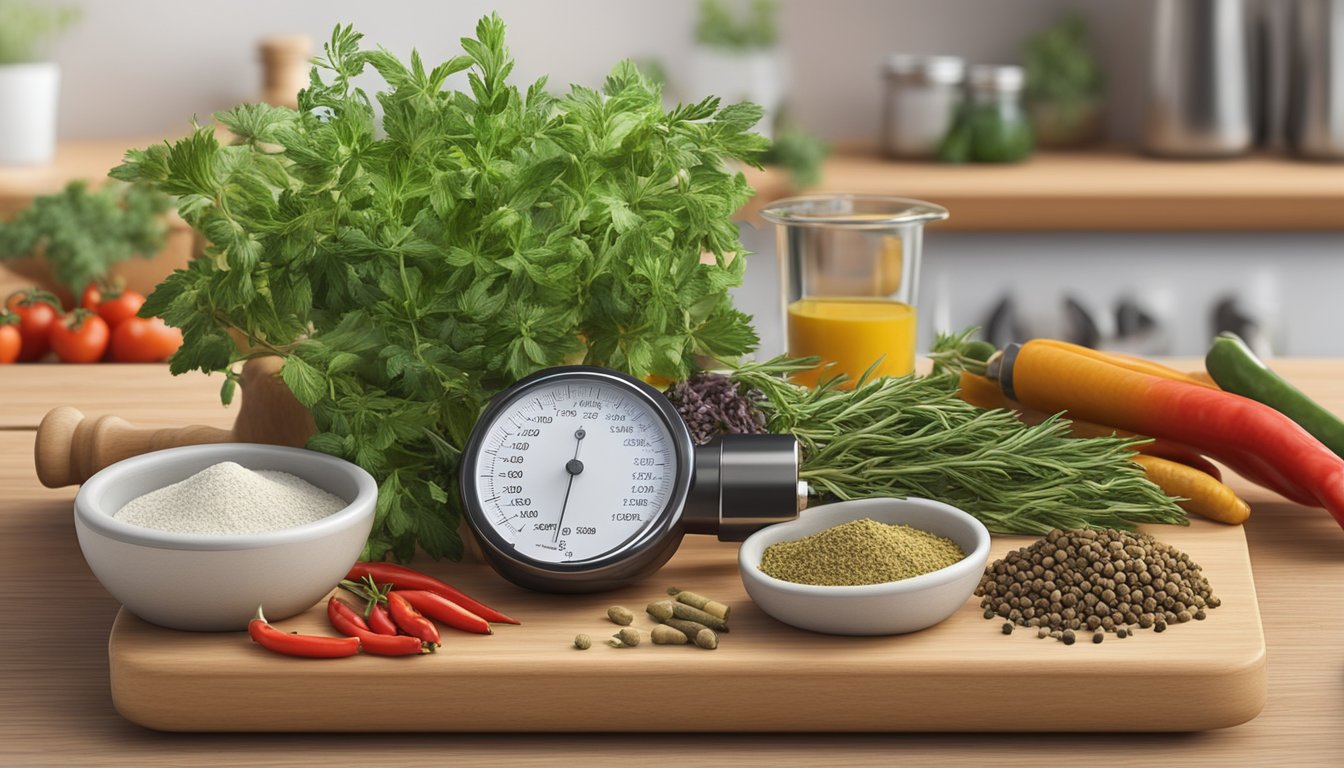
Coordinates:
962	675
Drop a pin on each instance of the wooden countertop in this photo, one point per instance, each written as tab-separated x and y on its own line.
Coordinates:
57	710
1108	190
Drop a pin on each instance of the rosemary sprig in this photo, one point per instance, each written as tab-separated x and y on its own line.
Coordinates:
912	436
957	352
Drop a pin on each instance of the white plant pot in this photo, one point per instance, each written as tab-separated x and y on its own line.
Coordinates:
28	95
756	76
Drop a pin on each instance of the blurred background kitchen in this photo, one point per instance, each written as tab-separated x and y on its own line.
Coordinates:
1133	175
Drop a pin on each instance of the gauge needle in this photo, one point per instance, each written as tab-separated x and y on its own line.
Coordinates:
575	468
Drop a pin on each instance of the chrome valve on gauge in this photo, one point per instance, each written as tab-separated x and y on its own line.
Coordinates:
582	479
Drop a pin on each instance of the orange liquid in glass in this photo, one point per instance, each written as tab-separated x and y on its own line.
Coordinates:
853	334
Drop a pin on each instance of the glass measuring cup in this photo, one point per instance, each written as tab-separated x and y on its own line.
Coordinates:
849	275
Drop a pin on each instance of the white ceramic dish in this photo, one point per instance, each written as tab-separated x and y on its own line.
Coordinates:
208	583
892	608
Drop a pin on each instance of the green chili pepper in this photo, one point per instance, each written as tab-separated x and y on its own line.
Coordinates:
1236	369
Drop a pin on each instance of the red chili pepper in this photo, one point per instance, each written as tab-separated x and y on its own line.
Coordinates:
438	607
346	620
379	621
401	577
307	646
409	620
1250	437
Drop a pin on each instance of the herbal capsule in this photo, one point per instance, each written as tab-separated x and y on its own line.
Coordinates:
621	615
712	607
665	635
626	638
687	628
706	639
668	609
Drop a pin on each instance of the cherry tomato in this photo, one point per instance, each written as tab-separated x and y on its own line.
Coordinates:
80	337
35	320
118	308
91	298
141	340
11	341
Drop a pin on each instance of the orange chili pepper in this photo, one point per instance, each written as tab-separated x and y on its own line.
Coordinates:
1130	362
1254	439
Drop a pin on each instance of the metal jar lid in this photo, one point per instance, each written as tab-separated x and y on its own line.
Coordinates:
925	70
991	78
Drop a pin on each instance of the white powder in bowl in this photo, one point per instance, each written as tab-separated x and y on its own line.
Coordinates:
230	499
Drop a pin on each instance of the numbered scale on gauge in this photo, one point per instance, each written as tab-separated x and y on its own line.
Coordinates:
582	479
575	471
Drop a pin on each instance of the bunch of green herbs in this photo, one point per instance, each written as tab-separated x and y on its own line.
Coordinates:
407	274
82	234
913	436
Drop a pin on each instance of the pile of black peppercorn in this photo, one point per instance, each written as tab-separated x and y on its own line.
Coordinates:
1095	581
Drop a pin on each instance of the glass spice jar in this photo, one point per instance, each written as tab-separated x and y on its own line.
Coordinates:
922	96
992	127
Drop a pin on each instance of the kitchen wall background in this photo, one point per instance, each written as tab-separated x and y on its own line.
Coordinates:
170	60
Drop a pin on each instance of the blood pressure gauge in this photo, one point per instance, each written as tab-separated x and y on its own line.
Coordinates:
581	479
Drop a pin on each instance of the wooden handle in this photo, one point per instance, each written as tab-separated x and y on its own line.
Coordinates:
70	448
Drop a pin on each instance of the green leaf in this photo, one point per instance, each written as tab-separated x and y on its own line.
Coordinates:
305	381
327	442
257	123
437	493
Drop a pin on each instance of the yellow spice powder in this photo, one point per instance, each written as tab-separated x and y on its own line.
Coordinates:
859	552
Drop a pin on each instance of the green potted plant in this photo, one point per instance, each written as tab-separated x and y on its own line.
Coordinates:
1065	86
28	85
737	55
65	241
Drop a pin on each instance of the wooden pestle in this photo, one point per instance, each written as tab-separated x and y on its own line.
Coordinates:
70	447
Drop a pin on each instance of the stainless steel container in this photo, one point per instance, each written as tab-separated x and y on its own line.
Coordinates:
921	99
1315	120
1200	100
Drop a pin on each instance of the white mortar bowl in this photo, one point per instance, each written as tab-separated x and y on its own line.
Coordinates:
204	582
891	608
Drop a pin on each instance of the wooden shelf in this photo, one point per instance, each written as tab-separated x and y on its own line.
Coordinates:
1078	191
1108	190
88	159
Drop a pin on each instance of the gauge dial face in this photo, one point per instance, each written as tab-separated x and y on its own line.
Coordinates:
573	469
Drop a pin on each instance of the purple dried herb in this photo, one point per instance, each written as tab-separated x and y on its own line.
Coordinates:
713	405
